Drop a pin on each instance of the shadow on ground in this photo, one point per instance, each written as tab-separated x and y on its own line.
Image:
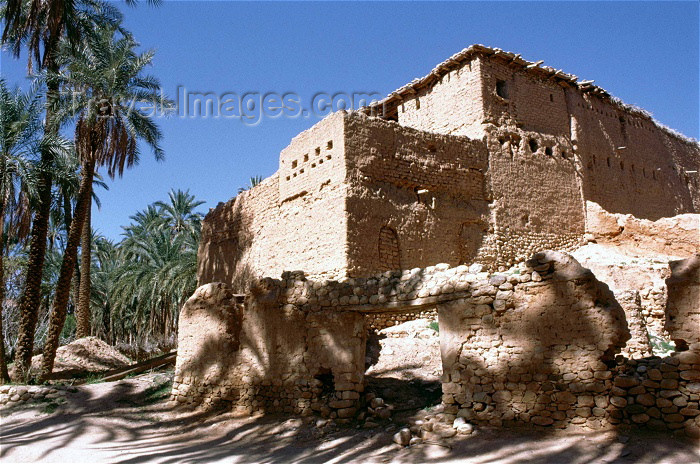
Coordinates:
129	421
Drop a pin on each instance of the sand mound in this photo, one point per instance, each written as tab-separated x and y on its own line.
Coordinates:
85	354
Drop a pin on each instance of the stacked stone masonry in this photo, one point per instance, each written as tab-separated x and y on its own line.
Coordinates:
14	395
538	344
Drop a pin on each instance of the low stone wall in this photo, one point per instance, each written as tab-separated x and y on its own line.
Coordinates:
261	355
548	357
659	393
13	395
640	343
538	344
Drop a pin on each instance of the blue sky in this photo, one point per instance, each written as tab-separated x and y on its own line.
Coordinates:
646	53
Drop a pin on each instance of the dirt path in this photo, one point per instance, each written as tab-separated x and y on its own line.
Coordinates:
129	421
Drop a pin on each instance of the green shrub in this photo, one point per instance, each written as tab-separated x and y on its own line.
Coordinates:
661	347
434	325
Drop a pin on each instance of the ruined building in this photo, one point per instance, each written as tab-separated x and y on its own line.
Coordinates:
487	159
441	199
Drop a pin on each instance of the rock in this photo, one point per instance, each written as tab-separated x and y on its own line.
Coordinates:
444	430
415	441
376	403
543	421
458	421
626	382
640	418
384	413
685	357
402	437
465	429
322	423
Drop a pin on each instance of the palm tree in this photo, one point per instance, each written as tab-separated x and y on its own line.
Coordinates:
252	182
105	260
155	280
20	142
179	213
18	122
41	25
108	76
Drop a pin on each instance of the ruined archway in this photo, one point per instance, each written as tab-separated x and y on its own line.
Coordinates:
471	236
389	251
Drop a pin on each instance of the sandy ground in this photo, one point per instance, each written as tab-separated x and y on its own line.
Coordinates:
129	421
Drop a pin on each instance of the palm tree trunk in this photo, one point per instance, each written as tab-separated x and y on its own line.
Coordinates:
83	312
67	218
70	256
4	375
31	296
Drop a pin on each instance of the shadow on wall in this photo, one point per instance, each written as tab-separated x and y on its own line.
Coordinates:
471	237
268	357
226	242
543	358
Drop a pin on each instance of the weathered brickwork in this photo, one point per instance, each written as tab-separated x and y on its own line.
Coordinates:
542	145
283	224
433	109
626	162
480	165
381	321
426	188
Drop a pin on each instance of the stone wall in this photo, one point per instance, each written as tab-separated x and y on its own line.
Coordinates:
381	321
537	344
547	357
263	354
683	306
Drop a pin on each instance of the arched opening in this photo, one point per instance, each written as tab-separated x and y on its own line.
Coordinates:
389	251
471	236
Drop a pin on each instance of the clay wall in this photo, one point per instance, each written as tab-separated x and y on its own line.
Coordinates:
627	162
415	198
536	193
238	236
266	354
454	105
293	220
630	165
